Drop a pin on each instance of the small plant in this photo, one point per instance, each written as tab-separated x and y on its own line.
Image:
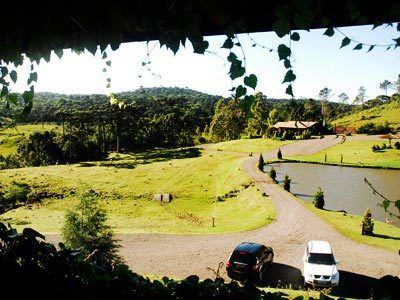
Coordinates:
272	174
85	227
286	183
397	145
319	199
279	154
261	162
376	148
367	223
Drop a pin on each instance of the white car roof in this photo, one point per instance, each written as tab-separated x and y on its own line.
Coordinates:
319	247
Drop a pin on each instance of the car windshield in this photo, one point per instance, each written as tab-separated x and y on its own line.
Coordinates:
243	257
321	259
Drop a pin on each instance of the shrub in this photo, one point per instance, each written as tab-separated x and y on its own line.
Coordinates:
261	162
319	201
286	183
272	174
367	223
376	148
279	154
13	194
85	227
397	145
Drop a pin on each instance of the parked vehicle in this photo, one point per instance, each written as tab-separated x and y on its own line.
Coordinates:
320	265
248	262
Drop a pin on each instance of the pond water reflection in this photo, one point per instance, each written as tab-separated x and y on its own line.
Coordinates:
344	187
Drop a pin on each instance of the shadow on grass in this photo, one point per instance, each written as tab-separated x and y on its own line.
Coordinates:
351	285
146	157
387	237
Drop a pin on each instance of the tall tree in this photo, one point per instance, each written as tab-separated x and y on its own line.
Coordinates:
228	121
324	95
361	96
396	84
343	98
257	124
385	85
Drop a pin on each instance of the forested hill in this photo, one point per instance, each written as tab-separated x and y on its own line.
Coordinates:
48	105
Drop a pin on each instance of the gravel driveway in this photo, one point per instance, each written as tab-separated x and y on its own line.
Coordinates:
183	255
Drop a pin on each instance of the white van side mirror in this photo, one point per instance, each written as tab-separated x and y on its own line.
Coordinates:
337	261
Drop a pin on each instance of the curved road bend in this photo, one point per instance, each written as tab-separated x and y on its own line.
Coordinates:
183	255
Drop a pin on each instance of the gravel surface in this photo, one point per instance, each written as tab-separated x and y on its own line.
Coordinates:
183	255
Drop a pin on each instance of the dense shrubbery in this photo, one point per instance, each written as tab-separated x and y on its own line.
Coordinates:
272	174
30	267
13	195
372	128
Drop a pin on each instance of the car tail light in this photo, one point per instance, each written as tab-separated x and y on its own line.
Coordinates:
228	264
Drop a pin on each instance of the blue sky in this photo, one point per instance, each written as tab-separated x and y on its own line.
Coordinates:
318	62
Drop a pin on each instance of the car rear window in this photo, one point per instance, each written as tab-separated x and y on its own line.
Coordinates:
243	257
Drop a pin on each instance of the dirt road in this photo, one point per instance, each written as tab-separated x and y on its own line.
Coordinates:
183	255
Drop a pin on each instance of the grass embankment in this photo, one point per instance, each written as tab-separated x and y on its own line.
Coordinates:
389	112
356	153
386	236
10	137
127	184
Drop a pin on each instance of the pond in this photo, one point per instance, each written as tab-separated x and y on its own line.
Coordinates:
344	187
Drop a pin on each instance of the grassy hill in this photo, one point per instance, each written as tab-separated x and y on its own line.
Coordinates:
203	187
387	112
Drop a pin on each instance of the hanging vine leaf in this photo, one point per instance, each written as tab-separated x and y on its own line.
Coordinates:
59	53
385	204
289	90
240	91
251	81
358	47
329	32
13	76
283	51
345	42
295	36
370	48
289	77
228	44
32	77
287	64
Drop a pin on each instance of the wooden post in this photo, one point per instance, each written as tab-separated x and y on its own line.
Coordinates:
325	157
341	158
213	222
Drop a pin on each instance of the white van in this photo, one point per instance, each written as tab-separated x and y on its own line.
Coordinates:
320	265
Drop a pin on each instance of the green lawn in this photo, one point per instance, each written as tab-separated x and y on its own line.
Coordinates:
389	112
127	184
10	137
386	236
249	145
356	153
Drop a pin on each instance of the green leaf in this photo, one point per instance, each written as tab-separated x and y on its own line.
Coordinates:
283	51
358	47
287	64
4	91
232	57
281	27
397	204
108	63
303	20
108	86
104	70
251	81
289	77
345	42
240	91
329	31
228	44
289	90
13	76
109	79
104	55
4	71
32	77
295	36
371	47
13	98
59	53
398	26
199	45
397	42
385	204
377	24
